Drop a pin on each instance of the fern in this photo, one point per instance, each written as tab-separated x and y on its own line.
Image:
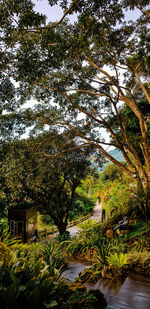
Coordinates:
117	261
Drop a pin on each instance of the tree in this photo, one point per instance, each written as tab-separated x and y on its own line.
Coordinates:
88	183
48	178
111	172
57	179
90	67
16	171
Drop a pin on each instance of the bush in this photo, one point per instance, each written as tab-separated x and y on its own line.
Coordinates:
111	172
139	262
64	236
82	206
47	219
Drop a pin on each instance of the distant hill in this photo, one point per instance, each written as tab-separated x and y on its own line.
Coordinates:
115	153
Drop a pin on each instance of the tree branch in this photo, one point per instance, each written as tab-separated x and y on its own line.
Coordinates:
142	87
53	25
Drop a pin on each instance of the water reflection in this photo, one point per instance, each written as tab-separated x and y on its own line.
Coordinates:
108	287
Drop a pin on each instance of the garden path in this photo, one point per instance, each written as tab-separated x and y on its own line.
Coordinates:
97	215
74	230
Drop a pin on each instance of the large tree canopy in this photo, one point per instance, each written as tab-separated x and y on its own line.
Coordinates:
93	68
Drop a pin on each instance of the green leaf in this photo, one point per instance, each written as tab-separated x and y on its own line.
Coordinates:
52	303
45	287
34	298
31	283
37	267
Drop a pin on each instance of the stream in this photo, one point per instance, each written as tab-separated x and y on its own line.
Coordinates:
132	292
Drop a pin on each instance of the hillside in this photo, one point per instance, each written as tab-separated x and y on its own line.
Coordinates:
115	153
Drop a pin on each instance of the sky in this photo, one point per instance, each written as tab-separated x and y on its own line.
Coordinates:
53	13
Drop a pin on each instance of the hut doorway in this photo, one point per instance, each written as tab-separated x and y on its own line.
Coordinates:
20	229
17	228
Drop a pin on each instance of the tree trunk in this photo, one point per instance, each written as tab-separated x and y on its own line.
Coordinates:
145	208
61	227
59	222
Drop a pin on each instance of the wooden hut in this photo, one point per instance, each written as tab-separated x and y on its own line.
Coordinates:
22	222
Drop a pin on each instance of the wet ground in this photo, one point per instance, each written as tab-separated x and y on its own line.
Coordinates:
132	292
74	268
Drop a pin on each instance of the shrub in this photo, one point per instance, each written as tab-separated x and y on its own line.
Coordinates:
139	261
117	261
102	248
141	243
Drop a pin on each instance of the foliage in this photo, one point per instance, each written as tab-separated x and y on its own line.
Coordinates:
31	280
3	224
132	123
65	236
85	240
138	228
117	261
141	243
118	194
87	68
91	274
7	244
87	183
82	206
118	246
43	221
119	197
15	173
87	225
74	247
139	261
102	249
111	172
